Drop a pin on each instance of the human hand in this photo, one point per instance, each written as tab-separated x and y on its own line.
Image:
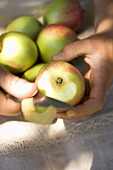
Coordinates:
13	85
97	51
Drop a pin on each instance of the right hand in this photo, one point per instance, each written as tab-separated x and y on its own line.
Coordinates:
97	51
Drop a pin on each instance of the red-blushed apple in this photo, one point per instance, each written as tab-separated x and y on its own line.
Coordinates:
40	115
66	12
52	39
62	81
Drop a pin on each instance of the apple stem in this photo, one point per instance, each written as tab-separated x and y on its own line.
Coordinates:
59	80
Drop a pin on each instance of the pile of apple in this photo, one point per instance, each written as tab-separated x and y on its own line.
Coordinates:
26	48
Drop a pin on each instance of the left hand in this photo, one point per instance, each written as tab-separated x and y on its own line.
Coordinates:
97	51
13	85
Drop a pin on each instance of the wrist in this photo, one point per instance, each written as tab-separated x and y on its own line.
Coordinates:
103	15
105	27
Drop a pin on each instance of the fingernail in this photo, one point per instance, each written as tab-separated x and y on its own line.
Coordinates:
34	93
31	88
70	113
57	56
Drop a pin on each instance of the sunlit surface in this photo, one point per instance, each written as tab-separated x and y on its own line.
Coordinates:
18	135
82	162
10	47
15	129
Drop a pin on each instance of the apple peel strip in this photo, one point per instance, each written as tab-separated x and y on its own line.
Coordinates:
31	115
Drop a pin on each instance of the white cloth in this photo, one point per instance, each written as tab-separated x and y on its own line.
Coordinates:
10	9
82	144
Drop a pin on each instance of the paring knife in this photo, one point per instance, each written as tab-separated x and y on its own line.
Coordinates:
44	101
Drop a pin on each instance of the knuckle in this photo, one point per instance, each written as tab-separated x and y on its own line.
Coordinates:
71	46
14	83
13	80
69	51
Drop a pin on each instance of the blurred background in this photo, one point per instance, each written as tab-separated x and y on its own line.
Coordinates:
11	9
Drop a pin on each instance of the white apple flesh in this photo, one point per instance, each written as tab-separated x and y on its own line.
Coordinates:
62	81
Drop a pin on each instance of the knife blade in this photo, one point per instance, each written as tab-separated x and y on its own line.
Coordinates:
45	101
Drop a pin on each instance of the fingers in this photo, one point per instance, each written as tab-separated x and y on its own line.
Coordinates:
98	76
96	99
89	107
8	107
16	86
73	50
82	110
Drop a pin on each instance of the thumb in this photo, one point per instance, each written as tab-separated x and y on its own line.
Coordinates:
73	50
16	86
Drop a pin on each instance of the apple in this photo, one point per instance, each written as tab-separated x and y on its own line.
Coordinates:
27	25
36	114
59	80
52	39
31	73
18	52
62	81
66	12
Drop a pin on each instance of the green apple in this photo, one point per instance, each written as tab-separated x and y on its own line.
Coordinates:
62	81
66	12
36	114
52	39
27	25
32	73
18	52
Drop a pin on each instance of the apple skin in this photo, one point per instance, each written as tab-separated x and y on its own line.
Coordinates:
32	73
62	81
27	25
66	12
52	39
36	114
18	52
